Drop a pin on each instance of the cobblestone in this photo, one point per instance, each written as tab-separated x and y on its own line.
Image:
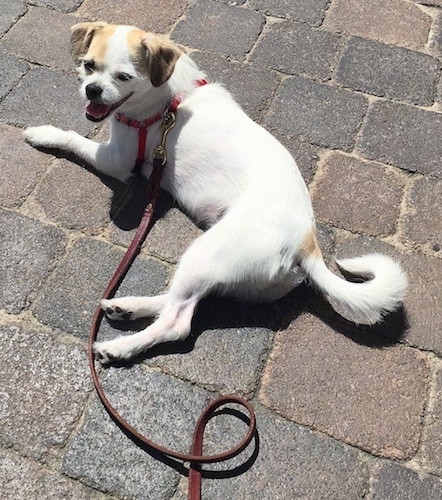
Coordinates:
349	205
51	28
104	458
392	72
353	90
296	49
18	178
403	136
316	113
219	28
44	387
70	297
432	437
396	22
393	481
422	219
158	17
30	103
339	387
12	71
28	251
21	479
306	11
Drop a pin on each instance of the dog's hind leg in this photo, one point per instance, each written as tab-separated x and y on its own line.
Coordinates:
196	276
172	324
130	308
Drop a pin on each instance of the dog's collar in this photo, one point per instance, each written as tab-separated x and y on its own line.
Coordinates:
143	125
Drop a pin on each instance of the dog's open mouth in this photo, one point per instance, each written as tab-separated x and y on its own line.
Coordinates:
97	112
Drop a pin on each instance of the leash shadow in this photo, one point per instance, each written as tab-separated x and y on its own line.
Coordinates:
233	467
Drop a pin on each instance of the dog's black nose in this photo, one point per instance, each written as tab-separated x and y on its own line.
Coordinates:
93	91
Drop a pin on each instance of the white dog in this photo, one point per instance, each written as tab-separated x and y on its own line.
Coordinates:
225	171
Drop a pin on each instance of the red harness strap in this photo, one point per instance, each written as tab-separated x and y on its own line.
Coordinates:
142	126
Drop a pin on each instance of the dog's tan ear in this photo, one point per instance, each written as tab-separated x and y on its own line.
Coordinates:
81	37
160	56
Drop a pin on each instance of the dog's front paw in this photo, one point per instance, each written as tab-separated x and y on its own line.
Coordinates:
115	310
45	136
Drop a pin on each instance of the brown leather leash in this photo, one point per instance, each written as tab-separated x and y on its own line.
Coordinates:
196	457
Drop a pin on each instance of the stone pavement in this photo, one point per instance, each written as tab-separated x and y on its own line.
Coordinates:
353	88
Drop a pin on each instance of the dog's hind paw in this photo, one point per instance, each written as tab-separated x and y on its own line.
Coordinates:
114	311
113	351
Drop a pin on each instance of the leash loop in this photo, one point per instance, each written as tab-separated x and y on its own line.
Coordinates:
196	457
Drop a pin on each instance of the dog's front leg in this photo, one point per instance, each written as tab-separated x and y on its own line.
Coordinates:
100	156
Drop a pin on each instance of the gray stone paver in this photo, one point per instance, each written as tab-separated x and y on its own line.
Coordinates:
252	85
159	16
421	223
12	70
70	297
306	11
163	408
28	250
31	104
388	71
393	481
21	167
325	115
60	5
297	49
44	388
22	479
303	454
353	90
75	198
432	437
219	28
11	10
403	136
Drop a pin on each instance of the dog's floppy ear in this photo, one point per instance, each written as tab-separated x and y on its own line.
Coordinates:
160	55
81	37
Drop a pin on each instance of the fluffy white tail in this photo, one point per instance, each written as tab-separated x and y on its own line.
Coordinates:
370	300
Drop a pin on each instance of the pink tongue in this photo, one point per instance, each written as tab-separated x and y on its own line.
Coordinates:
97	110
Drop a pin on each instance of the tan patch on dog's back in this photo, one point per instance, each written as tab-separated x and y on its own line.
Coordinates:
310	247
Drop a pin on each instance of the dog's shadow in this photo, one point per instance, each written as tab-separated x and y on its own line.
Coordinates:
225	313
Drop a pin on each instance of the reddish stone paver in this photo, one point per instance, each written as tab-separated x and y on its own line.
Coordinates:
358	195
330	381
396	22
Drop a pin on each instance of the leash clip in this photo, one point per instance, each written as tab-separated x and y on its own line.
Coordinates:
159	153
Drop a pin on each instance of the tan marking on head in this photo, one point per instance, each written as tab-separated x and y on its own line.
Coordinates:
91	40
154	55
310	247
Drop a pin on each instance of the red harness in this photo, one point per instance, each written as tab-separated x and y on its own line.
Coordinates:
142	126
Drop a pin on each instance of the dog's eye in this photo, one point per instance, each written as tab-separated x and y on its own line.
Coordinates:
124	77
89	66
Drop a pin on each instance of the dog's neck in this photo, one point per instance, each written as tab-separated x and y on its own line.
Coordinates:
183	80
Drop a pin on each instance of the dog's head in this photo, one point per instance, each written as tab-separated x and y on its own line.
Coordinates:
115	63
